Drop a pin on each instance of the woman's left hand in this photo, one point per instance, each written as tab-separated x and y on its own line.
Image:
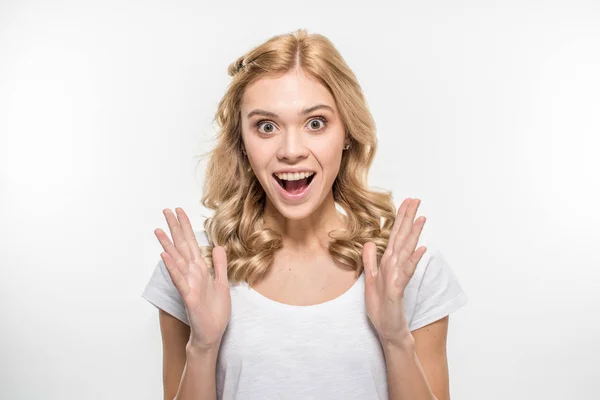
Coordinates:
385	284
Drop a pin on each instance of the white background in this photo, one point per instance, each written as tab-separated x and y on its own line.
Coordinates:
488	111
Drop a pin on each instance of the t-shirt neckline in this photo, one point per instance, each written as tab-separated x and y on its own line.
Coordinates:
333	303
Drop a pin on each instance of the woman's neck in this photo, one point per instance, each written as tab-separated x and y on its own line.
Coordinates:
310	234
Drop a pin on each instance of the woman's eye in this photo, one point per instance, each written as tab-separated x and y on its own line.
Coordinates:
314	124
267	124
317	123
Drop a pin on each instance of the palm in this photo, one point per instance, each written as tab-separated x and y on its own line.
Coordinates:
207	300
209	306
385	309
384	290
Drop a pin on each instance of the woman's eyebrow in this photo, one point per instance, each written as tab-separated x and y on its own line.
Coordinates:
303	112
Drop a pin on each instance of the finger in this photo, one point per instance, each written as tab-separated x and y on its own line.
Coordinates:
178	279
220	265
410	267
175	264
369	256
168	246
413	238
190	237
397	223
177	234
406	227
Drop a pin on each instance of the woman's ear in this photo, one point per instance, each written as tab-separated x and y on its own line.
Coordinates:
347	141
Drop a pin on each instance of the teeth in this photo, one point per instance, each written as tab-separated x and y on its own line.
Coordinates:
294	176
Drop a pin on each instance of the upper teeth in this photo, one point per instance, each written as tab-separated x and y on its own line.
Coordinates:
294	176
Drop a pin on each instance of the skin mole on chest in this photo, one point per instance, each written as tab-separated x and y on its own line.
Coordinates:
306	284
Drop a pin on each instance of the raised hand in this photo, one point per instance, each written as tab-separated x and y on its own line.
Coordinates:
384	285
207	299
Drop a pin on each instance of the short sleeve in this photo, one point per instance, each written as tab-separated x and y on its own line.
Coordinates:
161	291
439	291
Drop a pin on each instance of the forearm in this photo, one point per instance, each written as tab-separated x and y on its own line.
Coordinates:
406	379
198	380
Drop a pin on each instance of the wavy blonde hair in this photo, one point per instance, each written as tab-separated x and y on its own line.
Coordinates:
234	193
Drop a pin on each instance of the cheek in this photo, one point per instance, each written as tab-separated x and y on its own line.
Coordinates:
330	162
260	160
257	155
329	148
329	152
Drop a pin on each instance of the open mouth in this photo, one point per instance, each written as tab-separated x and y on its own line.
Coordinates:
294	186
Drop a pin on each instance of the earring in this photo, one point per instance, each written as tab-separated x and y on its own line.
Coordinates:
244	151
347	146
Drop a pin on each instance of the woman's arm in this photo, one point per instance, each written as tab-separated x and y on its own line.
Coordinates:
198	380
188	373
419	370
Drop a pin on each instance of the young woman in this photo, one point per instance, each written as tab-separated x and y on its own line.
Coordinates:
305	284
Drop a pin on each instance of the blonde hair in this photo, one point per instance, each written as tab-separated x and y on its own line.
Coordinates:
232	190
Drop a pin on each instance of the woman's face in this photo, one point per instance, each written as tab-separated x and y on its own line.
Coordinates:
291	123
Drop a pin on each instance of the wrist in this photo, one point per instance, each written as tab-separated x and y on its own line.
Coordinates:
198	349
404	344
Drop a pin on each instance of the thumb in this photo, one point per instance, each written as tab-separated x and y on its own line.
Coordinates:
369	256
220	265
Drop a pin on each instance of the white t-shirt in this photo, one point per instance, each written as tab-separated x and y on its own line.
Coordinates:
272	350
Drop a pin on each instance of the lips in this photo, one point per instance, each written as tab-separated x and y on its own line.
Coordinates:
282	182
296	193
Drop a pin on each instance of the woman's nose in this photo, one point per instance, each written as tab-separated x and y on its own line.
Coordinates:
292	146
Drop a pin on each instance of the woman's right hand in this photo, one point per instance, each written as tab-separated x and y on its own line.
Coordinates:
207	300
